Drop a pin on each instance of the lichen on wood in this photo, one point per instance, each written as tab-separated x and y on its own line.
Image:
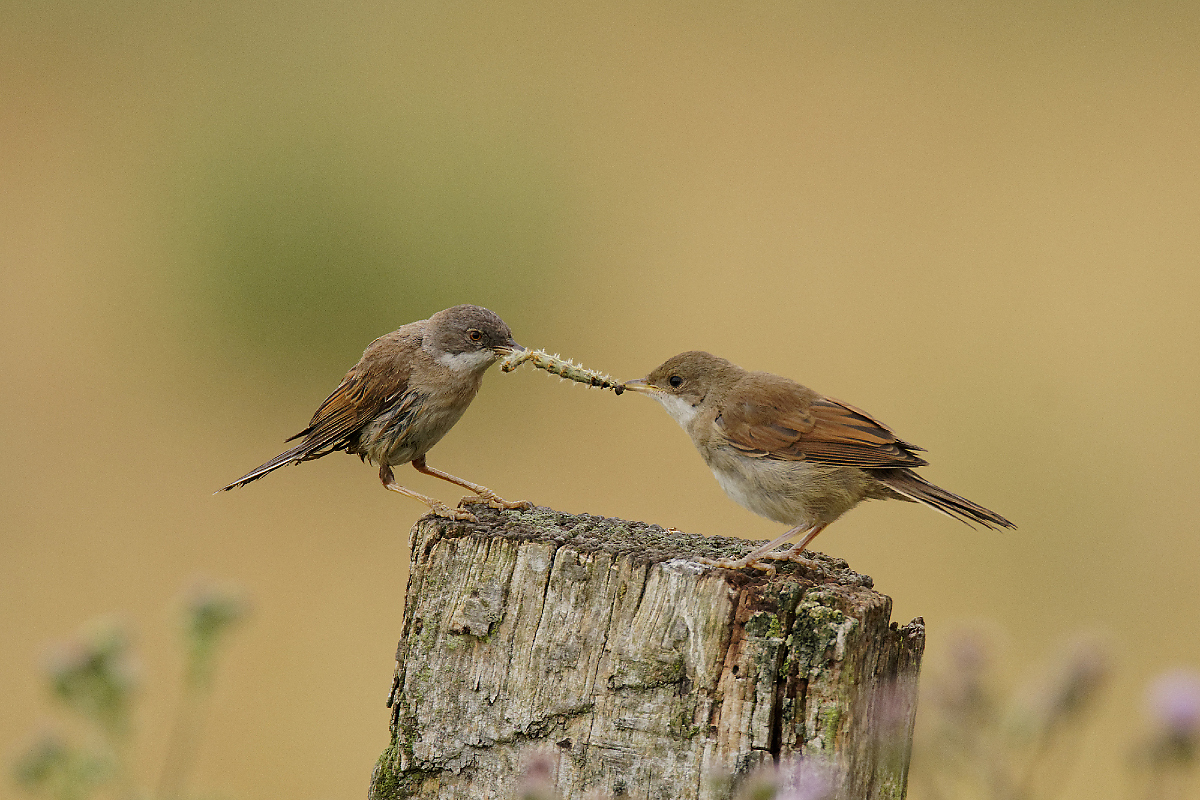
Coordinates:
645	673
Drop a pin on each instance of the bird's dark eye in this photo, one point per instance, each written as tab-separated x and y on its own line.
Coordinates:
475	335
675	381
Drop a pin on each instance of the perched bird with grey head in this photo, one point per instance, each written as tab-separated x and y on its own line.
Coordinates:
790	454
402	397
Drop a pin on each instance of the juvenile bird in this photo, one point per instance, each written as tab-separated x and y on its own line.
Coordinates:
401	398
790	454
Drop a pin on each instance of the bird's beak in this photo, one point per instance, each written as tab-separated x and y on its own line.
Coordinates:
508	348
641	387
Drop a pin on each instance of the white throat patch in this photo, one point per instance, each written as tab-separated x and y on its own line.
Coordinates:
469	362
680	410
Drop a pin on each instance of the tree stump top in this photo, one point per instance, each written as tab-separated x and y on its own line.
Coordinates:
642	672
641	542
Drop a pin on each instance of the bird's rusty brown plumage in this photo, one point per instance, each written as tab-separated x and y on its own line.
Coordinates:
792	454
405	393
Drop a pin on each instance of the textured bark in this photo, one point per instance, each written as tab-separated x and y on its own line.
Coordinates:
638	672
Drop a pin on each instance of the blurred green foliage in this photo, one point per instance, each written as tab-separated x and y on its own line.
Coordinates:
307	253
95	677
53	768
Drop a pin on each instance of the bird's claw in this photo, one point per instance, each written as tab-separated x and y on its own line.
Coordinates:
791	554
457	514
495	501
737	563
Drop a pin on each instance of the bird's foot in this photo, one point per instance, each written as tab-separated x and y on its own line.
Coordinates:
495	501
738	563
442	510
436	507
791	554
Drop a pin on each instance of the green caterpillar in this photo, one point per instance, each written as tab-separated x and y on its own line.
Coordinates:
564	369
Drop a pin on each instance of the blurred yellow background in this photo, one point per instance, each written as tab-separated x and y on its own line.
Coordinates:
979	222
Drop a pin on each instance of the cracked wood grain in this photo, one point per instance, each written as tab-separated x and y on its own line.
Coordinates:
642	673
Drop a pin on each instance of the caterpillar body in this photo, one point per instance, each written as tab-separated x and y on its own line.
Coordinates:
564	368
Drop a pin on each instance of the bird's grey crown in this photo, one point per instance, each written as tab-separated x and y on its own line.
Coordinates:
450	330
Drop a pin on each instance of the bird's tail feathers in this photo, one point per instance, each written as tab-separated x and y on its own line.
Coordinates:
301	452
916	488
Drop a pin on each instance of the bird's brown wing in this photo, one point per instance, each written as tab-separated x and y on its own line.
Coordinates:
377	384
786	421
373	385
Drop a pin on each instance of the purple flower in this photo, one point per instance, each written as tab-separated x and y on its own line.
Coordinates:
806	779
537	779
1174	702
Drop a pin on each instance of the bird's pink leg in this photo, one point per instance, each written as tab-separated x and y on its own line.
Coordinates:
763	552
491	498
437	507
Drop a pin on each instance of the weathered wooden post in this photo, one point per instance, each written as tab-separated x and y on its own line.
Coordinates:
644	673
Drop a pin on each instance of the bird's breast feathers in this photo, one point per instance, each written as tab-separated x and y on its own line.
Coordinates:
792	492
470	361
411	426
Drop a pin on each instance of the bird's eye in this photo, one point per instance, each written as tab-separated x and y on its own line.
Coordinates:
475	335
675	381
